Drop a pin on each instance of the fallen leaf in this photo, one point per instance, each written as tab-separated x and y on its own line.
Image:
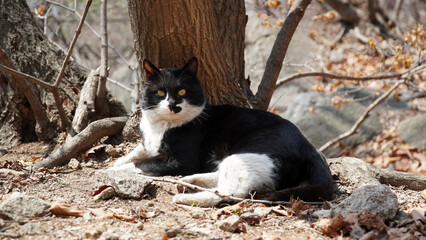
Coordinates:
333	227
297	205
233	209
423	194
99	190
65	209
418	213
121	216
278	210
98	212
372	221
94	149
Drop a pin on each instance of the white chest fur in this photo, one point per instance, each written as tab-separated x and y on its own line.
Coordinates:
153	133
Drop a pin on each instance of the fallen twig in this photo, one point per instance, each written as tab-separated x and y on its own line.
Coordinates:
225	197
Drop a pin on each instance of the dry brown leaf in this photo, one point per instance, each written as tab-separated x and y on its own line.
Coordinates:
423	194
333	227
278	210
236	208
99	190
121	216
372	221
95	149
97	212
65	209
297	205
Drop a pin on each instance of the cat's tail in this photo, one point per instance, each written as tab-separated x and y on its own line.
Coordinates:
319	187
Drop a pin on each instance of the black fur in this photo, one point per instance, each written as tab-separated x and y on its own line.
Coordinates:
220	131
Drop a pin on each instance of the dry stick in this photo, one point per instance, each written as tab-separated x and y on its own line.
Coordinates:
224	197
337	76
100	95
362	118
86	138
64	119
275	61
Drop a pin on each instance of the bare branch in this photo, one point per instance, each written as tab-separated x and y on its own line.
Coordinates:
74	40
86	138
104	57
362	118
25	76
337	76
278	52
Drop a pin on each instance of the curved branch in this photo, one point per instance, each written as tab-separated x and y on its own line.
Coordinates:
275	61
86	138
362	118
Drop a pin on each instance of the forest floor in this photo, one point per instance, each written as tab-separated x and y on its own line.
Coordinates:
154	216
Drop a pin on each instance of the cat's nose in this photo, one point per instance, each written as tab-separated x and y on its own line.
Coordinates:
174	108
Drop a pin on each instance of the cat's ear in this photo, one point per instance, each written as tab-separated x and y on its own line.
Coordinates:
191	66
150	69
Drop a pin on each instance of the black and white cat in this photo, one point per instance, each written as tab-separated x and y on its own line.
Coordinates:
230	149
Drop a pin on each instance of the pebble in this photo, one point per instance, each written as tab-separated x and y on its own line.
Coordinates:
74	164
230	224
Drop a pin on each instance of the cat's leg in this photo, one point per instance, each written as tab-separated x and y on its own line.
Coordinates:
126	163
205	180
238	175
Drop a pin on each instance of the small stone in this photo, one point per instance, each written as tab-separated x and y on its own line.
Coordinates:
173	232
90	164
251	218
20	206
230	224
111	151
93	233
106	194
139	226
74	164
109	236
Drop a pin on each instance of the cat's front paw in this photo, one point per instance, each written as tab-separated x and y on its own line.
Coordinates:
200	199
128	167
122	161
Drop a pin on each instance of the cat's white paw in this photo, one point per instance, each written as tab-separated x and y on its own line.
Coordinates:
128	167
122	161
200	199
205	180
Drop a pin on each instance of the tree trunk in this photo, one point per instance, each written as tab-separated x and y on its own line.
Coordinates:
168	33
29	51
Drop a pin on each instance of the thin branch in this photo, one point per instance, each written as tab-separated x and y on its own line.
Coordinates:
94	32
100	94
25	76
337	76
278	52
74	40
224	197
362	118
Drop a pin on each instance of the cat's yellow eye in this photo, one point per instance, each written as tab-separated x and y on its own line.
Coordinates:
182	92
161	93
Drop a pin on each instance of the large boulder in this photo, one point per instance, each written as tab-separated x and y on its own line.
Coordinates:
413	131
327	121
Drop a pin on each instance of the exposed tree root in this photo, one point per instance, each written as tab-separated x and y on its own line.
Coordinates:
92	133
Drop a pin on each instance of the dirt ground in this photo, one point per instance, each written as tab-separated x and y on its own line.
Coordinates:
153	217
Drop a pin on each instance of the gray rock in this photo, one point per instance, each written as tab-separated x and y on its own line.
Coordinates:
20	206
413	131
327	121
375	198
125	184
230	224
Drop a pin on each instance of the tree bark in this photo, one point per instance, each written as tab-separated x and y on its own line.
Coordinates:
168	33
29	51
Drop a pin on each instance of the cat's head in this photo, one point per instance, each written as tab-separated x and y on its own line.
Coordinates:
172	94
